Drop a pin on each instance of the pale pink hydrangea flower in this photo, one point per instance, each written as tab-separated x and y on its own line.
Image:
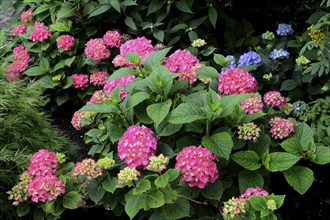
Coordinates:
66	42
21	53
249	131
112	39
136	146
141	46
197	166
76	120
97	50
87	167
45	188
27	16
257	191
234	207
43	163
183	63
99	78
123	81
40	33
19	192
127	175
252	105
281	127
159	46
274	99
237	81
99	97
80	81
20	29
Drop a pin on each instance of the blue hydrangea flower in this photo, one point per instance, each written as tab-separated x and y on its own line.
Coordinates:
249	58
284	29
230	65
277	54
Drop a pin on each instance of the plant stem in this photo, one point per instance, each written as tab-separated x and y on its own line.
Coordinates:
192	200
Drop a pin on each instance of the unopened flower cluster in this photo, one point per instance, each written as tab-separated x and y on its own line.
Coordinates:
302	60
106	163
197	166
281	127
127	175
249	131
198	43
157	163
268	35
88	168
317	35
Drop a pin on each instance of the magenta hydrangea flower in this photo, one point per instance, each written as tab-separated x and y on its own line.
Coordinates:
99	96
40	33
80	81
97	50
142	46
76	120
136	146
99	78
112	39
87	167
183	63
257	191
252	105
21	53
123	81
281	127
237	81
45	188
13	76
27	16
20	29
17	66
43	163
274	99
66	42
197	166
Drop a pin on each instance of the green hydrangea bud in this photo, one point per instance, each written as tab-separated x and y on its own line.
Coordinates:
157	163
127	175
106	162
268	35
198	43
61	158
267	76
56	78
302	60
249	131
271	204
269	46
287	108
325	88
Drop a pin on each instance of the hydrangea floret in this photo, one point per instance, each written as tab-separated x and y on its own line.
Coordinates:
158	163
234	207
281	127
284	30
249	131
197	166
256	191
76	120
106	163
27	16
87	167
43	163
19	192
98	97
252	105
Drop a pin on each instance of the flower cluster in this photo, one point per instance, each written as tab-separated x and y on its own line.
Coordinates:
80	81
122	82
66	42
20	64
106	163
274	99
127	175
19	192
27	16
249	58
42	163
284	30
97	50
299	108
99	78
198	43
76	120
249	131
278	54
281	127
302	60
268	35
197	166
257	191
183	63
252	105
112	39
99	96
40	33
87	167
136	146
234	207
19	30
158	163
317	35
237	81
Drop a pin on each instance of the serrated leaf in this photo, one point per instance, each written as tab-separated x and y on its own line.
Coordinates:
141	187
322	155
22	209
162	180
258	202
247	179
213	190
228	103
183	6
300	178
185	113
71	200
116	5
133	204
177	210
99	108
130	23
167	129
158	111
121	73
109	183
65	12
247	159
280	161
136	99
289	85
155	6
154	199
34	71
292	145
99	10
159	35
220	144
95	191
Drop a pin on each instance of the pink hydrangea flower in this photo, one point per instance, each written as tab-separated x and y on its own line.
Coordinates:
249	131
112	39
14	76
123	81
45	188
184	63
197	166
99	97
17	66
280	127
141	46
257	191
20	29
237	81
99	78
274	99
234	207
136	146
21	53
27	16
40	33
252	105
87	167
97	50
76	120
80	81
66	42
43	163
159	46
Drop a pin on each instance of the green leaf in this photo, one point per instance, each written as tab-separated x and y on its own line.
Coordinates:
69	61
167	129
162	180
41	9
62	25
116	5
213	15
220	144
213	190
213	101
292	145
172	174
155	58
130	23
185	113
155	6
136	99
71	200
110	183
300	178
304	134
61	99
247	179
159	35
177	210
170	195
34	71
289	85
322	155
65	12
158	111
280	161
95	191
228	103
99	108
183	6
133	58
99	10
141	187
23	209
207	72
133	204
258	202
279	199
247	159
220	59
121	73
154	199
38	214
